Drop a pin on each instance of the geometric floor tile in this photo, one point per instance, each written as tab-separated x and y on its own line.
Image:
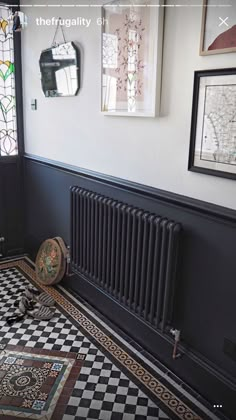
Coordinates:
36	383
115	382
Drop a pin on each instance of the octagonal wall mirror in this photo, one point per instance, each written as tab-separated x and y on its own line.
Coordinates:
60	70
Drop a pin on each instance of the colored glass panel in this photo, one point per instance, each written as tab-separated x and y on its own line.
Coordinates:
8	129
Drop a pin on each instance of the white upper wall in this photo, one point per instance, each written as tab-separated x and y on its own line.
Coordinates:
151	151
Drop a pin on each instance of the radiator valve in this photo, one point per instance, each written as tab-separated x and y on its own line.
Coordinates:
176	334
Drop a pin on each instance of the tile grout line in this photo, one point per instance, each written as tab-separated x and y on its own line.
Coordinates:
140	355
67	305
72	311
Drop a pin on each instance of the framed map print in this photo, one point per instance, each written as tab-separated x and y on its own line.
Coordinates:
131	58
213	126
218	33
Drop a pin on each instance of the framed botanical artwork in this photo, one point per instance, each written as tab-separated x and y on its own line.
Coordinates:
131	58
218	32
213	126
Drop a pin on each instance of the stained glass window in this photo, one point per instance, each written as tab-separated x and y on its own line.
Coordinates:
8	129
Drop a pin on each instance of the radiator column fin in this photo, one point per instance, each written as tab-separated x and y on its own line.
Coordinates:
129	253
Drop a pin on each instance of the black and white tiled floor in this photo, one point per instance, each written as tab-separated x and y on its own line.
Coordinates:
103	390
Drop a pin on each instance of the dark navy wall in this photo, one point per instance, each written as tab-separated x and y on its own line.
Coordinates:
205	301
11	199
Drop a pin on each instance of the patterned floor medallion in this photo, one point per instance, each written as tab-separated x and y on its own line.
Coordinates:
35	383
40	363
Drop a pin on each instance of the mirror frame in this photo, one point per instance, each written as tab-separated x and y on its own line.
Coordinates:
78	68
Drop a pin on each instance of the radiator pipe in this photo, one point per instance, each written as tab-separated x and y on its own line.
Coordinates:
68	262
176	334
2	243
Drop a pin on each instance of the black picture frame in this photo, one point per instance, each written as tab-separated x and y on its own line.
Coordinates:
192	166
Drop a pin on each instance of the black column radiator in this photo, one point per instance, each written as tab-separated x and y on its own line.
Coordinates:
128	252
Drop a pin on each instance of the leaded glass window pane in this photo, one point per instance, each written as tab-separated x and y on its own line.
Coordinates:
8	129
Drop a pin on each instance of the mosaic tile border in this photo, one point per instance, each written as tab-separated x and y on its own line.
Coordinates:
160	391
59	400
185	393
